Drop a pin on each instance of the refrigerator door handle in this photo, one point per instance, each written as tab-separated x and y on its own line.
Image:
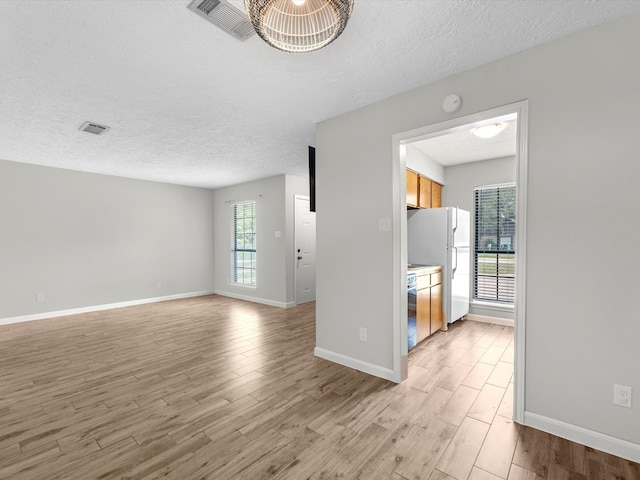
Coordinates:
455	220
454	226
454	262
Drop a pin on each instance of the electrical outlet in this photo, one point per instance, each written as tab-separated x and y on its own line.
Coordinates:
622	395
158	284
363	334
39	297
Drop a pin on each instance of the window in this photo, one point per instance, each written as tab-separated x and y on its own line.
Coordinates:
243	244
494	250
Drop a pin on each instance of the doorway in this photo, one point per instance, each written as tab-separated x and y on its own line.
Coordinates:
400	141
305	251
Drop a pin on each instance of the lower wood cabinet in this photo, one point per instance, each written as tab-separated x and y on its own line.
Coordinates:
429	317
437	318
423	314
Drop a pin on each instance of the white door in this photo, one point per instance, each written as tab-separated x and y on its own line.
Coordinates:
305	251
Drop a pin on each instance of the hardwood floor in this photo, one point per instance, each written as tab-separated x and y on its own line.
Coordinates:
217	388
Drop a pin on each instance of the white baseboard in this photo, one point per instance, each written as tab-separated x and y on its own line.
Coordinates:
96	308
356	364
249	298
486	319
597	440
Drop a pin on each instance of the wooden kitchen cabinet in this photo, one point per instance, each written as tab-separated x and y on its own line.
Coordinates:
412	189
422	192
429	317
436	195
423	314
437	320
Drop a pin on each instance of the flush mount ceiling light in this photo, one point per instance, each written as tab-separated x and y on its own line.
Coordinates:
299	25
489	131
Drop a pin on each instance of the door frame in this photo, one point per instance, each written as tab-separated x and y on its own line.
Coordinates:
399	241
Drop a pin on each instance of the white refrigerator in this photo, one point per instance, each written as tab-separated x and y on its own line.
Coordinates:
442	236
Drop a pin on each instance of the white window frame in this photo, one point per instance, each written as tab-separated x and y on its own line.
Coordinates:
476	250
234	270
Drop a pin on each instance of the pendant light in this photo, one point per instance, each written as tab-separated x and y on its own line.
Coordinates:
298	25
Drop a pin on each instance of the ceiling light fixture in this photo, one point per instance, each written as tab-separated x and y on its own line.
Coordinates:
299	25
489	131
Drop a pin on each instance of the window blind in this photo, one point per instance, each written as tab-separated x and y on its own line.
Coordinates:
243	250
494	246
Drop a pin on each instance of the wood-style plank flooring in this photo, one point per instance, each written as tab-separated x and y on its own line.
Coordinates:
217	388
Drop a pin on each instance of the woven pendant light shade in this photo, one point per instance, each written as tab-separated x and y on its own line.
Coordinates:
299	25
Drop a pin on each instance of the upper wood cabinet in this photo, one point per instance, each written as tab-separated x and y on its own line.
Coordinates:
422	192
412	189
436	195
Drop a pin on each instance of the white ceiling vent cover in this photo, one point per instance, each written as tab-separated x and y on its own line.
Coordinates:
225	16
94	128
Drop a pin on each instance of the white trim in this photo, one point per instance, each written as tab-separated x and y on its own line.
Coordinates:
243	200
399	249
493	305
232	235
241	285
295	243
522	169
97	308
249	298
495	185
356	364
399	262
590	438
492	310
487	319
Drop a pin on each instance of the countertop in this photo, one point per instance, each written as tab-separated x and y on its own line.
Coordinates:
423	269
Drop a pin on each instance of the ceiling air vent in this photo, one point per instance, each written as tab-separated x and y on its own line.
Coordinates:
94	128
225	16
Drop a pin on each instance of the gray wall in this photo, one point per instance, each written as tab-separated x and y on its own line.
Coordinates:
420	162
582	325
460	181
274	212
86	240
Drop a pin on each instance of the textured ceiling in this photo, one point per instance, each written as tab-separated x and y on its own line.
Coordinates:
189	104
461	146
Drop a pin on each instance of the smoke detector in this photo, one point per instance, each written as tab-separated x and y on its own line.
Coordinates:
225	16
94	128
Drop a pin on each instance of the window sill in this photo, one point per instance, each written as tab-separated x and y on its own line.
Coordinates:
241	285
493	305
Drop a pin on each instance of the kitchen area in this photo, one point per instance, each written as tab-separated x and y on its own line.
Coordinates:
454	271
438	249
